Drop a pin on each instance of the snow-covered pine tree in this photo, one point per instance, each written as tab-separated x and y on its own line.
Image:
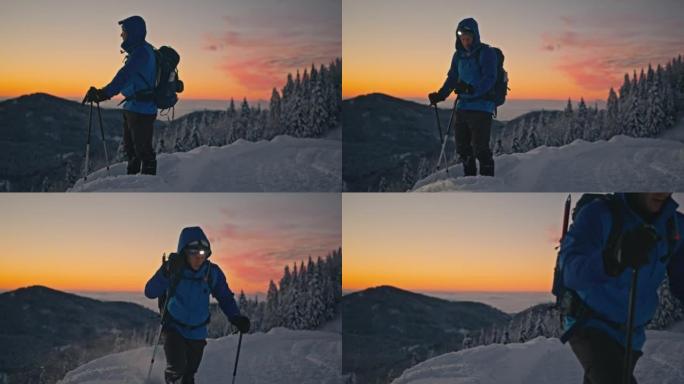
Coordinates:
272	311
318	110
613	112
232	112
655	117
569	123
274	114
581	121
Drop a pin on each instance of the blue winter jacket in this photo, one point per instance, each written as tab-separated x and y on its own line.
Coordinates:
140	69
583	270
189	304
477	67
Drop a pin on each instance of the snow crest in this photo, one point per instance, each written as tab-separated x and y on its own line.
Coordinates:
543	361
279	356
620	164
284	164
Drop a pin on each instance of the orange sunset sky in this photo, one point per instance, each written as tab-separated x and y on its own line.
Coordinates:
114	242
228	48
554	49
450	242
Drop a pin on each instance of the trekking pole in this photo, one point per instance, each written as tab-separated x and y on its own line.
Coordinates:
626	374
564	230
161	325
439	125
566	216
104	143
237	357
87	153
442	153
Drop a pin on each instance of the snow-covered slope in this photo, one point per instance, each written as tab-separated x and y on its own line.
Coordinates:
279	356
543	361
619	164
284	164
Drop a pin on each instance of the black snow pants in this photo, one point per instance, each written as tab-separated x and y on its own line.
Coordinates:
183	357
137	138
472	130
601	357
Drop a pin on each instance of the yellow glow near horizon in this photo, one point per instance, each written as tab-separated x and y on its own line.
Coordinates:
115	242
450	242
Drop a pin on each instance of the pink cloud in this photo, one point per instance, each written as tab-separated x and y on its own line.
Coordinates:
258	51
597	52
255	250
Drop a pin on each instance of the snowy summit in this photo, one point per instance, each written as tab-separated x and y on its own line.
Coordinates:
283	164
620	164
279	356
544	361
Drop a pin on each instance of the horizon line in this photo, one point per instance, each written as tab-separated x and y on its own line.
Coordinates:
352	290
411	98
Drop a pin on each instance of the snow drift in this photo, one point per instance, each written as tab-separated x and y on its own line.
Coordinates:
279	356
543	361
284	164
620	164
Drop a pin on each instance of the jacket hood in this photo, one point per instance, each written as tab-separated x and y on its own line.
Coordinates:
190	234
471	24
136	31
668	209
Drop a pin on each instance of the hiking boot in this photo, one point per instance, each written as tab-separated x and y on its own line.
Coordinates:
469	166
149	167
487	170
133	167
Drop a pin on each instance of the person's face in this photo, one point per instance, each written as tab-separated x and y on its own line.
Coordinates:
653	202
123	34
195	258
466	40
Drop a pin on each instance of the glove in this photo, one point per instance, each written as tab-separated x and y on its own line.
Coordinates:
635	247
242	323
174	265
462	88
435	98
95	95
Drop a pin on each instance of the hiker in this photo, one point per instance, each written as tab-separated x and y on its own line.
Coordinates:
138	74
191	278
472	76
597	277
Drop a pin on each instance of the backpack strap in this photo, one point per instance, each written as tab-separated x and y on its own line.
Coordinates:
615	235
207	279
673	238
487	96
163	300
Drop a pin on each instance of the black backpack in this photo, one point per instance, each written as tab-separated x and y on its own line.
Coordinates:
167	85
567	301
558	289
498	93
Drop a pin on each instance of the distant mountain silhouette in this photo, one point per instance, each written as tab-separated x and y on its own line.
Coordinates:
44	332
43	138
386	330
390	143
